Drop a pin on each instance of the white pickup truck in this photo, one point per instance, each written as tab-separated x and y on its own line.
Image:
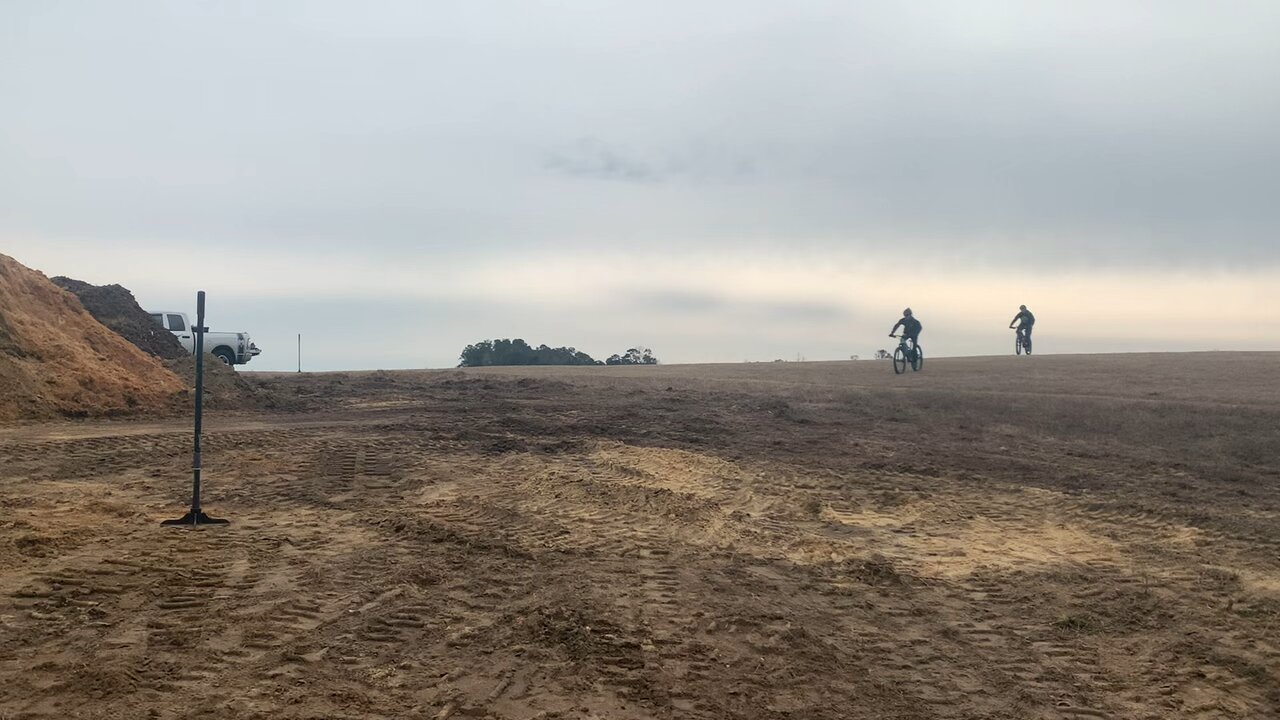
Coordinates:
230	348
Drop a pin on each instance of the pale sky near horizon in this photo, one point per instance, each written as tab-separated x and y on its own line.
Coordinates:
718	180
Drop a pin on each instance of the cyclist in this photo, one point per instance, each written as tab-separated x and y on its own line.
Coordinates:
911	328
1025	321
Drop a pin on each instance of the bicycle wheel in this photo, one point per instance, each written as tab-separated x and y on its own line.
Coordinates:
899	361
1017	344
917	362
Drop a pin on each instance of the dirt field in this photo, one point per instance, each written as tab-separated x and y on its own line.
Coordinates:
1058	537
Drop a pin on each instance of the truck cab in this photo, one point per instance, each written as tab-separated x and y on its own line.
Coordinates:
230	348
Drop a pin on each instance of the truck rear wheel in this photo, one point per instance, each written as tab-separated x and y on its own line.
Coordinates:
225	355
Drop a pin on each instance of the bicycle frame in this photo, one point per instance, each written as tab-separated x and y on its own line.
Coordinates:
910	355
1022	340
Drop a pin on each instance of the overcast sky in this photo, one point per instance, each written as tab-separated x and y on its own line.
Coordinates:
720	181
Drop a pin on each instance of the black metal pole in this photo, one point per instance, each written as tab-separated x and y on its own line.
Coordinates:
199	330
196	515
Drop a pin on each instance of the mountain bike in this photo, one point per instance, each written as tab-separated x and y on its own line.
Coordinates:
907	353
1021	343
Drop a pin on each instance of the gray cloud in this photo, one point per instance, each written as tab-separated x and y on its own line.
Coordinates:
700	303
590	158
676	301
693	161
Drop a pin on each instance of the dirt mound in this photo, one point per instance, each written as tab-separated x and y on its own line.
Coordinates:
115	307
226	389
56	359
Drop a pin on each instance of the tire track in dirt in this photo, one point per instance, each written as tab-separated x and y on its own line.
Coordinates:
192	608
1038	657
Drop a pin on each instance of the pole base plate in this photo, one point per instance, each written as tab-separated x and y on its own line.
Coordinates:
195	518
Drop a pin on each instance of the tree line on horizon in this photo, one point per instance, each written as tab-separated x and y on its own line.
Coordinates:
488	353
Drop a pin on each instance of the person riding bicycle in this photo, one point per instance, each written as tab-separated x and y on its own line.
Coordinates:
911	328
1025	321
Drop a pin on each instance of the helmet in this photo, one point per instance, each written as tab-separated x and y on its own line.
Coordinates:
1022	307
907	312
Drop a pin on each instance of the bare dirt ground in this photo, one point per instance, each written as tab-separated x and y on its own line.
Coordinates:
1054	537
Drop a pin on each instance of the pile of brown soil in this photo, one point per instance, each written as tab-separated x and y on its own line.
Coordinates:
55	359
115	307
226	389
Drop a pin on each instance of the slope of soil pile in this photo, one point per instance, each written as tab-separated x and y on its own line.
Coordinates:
55	359
115	307
226	389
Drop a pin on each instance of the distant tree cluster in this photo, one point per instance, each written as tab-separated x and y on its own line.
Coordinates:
519	352
633	356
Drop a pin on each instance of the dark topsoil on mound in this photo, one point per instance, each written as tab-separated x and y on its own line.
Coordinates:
226	389
115	307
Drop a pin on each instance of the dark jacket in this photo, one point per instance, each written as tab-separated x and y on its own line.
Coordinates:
911	327
1024	318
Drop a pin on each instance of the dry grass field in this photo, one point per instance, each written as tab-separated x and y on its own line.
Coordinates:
1055	537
